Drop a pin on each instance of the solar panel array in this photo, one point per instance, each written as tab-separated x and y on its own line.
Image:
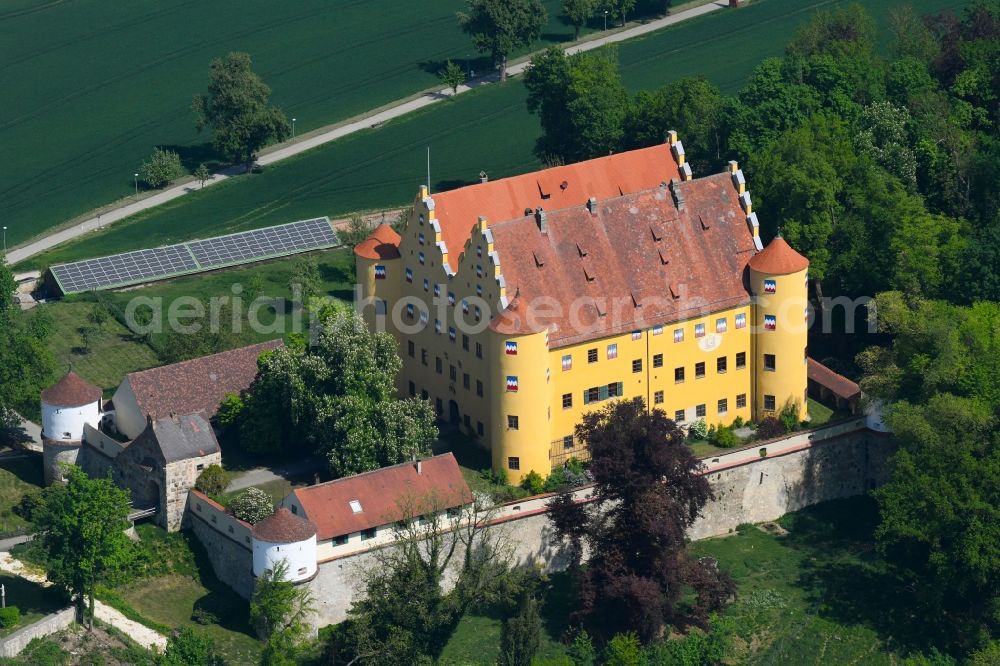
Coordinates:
130	268
274	241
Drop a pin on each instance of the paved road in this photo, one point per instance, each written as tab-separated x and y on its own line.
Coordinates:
313	140
255	477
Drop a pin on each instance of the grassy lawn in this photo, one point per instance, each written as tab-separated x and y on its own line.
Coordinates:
489	130
178	579
108	360
112	80
34	600
19	473
810	592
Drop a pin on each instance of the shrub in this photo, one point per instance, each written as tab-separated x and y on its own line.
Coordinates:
623	650
738	422
770	427
161	168
229	410
570	475
789	416
725	438
698	429
9	616
496	477
213	480
252	505
533	483
29	503
581	650
202	616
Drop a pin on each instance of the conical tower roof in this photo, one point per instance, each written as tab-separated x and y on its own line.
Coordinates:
283	526
71	391
778	258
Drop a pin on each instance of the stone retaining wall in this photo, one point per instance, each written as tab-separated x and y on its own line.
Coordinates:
12	645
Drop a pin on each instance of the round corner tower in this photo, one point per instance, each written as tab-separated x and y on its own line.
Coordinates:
285	536
377	267
67	407
778	281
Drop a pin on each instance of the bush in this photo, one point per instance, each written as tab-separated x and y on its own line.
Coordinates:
252	505
698	429
570	475
229	410
29	503
738	422
533	483
789	416
770	427
202	616
213	480
624	650
161	168
725	438
9	616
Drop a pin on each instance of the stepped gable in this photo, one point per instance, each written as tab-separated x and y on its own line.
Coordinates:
71	391
283	526
649	258
458	211
197	386
383	243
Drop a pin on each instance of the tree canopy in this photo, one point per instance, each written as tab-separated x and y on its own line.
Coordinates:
646	495
236	108
82	527
497	27
336	397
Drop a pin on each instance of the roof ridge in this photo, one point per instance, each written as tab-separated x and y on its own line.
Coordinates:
137	373
374	471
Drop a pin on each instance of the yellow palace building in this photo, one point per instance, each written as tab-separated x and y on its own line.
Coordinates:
520	304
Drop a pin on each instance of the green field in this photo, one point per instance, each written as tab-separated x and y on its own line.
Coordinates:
811	591
91	87
488	129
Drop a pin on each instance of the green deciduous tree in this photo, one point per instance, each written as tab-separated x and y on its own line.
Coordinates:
618	9
337	397
498	27
278	612
578	12
252	505
161	168
580	101
82	527
452	75
236	108
189	648
202	174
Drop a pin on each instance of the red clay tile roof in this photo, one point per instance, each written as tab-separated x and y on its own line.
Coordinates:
656	263
381	494
838	384
283	526
71	391
197	386
507	198
778	258
383	243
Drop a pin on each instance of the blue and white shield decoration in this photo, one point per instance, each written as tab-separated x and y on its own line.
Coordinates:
770	286
512	383
770	323
699	330
741	320
510	348
379	272
409	275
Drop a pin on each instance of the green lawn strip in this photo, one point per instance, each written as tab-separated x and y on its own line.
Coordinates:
116	353
819	414
33	600
107	83
488	129
19	473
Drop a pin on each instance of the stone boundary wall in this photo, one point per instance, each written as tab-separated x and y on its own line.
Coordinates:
226	540
836	461
12	645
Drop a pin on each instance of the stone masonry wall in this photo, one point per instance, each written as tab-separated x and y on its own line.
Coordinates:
226	541
811	468
12	645
180	478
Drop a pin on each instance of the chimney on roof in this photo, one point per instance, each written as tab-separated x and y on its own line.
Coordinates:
483	178
592	205
675	192
416	462
540	220
672	137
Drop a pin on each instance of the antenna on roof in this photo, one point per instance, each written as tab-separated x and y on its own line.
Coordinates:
428	169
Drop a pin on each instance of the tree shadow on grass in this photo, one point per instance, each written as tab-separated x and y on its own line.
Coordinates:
847	582
192	156
231	610
27	466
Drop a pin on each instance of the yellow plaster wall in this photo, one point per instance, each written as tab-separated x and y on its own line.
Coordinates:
788	382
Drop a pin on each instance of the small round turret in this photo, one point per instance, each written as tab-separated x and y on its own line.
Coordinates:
285	536
67	407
